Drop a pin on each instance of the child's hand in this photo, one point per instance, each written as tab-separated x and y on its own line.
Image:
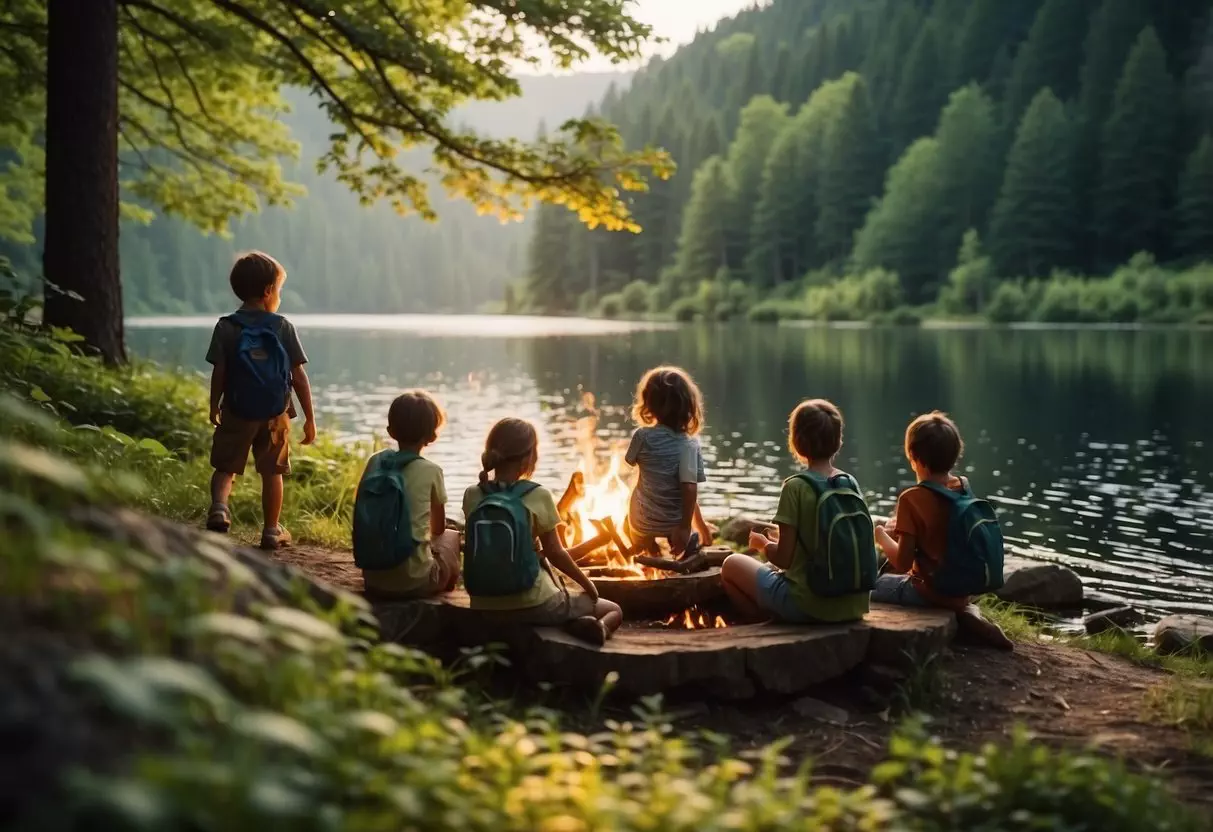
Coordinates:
590	589
309	432
215	415
679	539
758	542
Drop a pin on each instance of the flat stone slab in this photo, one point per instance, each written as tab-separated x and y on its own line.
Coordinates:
731	662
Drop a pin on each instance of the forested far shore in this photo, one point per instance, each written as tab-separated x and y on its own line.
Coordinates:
1048	160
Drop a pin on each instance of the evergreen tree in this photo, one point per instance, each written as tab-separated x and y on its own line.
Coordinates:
548	267
762	120
702	245
983	32
1136	168
967	137
1198	92
852	164
920	93
1032	225
1194	235
781	73
899	232
1048	58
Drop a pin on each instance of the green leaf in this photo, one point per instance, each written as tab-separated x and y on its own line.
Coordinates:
155	447
276	729
38	394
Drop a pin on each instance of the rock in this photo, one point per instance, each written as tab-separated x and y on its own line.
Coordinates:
1117	618
904	636
1177	633
715	555
1041	585
736	530
811	708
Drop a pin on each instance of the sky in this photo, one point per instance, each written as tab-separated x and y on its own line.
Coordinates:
675	20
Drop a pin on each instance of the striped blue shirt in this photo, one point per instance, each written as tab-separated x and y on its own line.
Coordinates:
665	459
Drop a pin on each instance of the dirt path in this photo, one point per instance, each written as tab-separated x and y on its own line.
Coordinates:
1065	696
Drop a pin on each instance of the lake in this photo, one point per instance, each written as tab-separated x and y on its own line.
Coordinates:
1095	445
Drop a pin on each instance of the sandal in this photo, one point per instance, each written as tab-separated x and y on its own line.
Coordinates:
219	518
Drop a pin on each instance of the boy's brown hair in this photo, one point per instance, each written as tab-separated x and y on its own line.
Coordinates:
415	417
933	440
510	440
254	273
667	396
815	430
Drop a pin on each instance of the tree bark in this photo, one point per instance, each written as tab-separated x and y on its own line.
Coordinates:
80	261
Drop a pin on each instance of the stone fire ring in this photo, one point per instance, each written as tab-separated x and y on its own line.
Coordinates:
661	597
733	662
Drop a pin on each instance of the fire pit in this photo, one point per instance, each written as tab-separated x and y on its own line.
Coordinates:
647	585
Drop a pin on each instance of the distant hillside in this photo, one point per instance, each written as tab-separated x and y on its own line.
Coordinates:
343	257
820	138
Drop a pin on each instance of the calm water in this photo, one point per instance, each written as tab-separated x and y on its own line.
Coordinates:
1095	445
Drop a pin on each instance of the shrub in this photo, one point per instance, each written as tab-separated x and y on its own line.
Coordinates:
686	309
637	297
611	306
773	309
971	283
855	298
1009	303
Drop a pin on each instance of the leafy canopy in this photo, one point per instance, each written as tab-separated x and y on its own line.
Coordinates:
202	93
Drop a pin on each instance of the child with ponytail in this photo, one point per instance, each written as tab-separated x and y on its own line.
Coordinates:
505	573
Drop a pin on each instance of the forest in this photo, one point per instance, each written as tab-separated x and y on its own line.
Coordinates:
884	160
343	256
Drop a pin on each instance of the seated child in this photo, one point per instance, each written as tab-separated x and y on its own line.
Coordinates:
401	542
821	567
665	448
917	539
503	571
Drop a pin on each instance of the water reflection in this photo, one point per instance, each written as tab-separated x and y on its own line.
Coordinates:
1093	442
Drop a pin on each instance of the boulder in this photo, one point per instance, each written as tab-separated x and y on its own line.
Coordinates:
1177	633
1117	618
1046	586
811	708
736	530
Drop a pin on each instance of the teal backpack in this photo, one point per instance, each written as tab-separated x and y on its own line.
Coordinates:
973	562
499	555
843	559
383	529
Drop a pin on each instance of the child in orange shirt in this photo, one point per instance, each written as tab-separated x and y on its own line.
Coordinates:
916	541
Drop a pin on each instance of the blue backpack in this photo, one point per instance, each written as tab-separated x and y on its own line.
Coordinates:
842	558
258	385
973	562
499	555
383	527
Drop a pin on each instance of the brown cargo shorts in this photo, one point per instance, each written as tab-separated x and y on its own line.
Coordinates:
269	442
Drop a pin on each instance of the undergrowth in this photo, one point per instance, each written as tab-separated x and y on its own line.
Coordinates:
241	709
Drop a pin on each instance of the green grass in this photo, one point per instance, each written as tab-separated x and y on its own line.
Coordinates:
147	430
1014	620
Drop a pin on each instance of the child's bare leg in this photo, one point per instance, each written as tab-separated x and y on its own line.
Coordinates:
271	499
446	549
221	486
609	613
739	577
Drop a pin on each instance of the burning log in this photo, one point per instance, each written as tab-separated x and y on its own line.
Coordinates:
610	572
607	525
572	493
586	548
686	566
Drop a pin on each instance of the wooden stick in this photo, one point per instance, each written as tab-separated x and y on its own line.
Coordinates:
609	525
583	550
573	492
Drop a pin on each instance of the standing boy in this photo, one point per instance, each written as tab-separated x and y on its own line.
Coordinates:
257	360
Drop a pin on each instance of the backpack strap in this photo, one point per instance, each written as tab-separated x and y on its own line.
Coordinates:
949	494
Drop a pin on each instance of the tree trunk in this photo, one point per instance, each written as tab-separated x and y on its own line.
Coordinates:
80	260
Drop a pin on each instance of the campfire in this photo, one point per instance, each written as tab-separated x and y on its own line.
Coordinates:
594	510
694	618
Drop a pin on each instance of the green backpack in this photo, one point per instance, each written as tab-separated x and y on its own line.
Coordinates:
842	560
499	556
973	562
383	529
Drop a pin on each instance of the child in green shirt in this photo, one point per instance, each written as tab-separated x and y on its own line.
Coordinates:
780	589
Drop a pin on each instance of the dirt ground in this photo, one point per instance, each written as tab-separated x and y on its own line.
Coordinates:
1065	696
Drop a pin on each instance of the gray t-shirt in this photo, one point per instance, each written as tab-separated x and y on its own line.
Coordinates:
665	459
226	338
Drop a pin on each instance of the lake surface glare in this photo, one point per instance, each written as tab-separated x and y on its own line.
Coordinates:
1094	445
